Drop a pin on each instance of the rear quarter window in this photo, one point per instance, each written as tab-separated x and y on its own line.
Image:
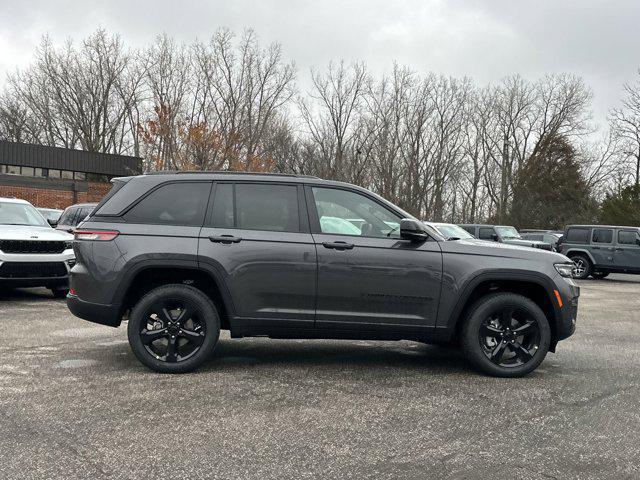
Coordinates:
577	235
180	203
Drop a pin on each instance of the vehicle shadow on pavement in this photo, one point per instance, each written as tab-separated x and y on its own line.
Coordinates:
21	294
238	354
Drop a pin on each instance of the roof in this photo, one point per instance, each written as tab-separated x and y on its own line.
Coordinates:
601	226
12	200
41	156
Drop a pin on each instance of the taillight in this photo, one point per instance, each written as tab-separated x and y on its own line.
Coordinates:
96	235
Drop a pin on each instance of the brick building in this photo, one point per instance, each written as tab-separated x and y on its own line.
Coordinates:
54	177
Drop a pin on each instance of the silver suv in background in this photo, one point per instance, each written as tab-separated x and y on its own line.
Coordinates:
598	250
32	254
503	234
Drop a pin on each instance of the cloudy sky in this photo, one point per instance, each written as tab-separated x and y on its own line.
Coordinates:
484	39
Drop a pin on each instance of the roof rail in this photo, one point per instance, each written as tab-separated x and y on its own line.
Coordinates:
227	172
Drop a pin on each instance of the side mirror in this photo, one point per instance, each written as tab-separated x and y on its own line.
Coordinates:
53	223
411	229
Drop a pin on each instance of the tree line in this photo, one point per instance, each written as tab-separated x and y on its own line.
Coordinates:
443	148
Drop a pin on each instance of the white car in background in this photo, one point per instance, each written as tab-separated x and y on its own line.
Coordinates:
32	253
450	231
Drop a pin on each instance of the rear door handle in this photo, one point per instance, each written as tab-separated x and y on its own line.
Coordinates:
225	239
338	245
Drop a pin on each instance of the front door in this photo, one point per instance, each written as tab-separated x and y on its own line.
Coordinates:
256	240
368	278
627	252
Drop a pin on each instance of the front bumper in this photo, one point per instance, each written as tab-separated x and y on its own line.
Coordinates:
36	270
567	314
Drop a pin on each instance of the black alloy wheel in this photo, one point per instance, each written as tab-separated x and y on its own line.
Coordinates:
509	337
506	335
173	328
173	331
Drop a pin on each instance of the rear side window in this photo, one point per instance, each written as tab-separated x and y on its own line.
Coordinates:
485	233
266	207
602	235
577	235
471	230
181	203
628	237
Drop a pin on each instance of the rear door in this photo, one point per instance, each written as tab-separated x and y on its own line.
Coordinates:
627	250
256	241
368	278
602	247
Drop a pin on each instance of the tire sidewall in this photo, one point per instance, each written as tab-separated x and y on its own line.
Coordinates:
207	311
481	310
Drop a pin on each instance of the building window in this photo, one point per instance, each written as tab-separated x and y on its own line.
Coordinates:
28	171
79	175
41	172
13	170
54	173
66	174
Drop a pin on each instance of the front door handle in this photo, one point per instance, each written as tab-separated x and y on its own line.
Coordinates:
225	239
338	245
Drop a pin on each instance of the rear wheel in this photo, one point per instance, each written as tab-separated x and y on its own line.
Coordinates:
581	266
599	275
506	335
173	328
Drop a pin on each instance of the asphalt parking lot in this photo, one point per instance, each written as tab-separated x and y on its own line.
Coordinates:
75	403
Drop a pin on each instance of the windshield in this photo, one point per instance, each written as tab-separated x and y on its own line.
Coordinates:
453	231
508	232
20	214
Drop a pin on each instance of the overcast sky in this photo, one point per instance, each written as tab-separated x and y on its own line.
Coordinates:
484	39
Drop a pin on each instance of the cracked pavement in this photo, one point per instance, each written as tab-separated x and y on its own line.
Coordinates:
75	403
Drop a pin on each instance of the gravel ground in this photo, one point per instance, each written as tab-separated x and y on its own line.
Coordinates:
75	403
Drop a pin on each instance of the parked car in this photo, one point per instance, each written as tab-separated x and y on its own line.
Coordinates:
551	237
51	215
450	231
503	234
73	215
32	254
599	250
185	255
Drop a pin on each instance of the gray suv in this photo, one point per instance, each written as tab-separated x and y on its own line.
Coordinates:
185	255
598	250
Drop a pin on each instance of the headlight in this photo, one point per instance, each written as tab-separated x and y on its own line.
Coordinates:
68	244
564	269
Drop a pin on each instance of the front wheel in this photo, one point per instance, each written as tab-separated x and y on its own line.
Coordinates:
506	335
173	328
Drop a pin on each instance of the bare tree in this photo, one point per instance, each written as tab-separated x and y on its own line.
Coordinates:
625	125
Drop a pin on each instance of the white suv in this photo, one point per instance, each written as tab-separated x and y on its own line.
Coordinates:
32	254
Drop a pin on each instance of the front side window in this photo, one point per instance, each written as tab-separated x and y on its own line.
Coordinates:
629	237
68	216
602	235
181	203
20	214
342	212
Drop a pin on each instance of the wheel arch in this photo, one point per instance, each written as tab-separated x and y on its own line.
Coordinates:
533	285
147	276
573	251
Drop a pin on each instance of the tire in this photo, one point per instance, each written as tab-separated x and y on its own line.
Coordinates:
583	266
481	340
59	292
599	275
193	337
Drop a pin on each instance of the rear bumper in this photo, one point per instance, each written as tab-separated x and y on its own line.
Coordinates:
94	312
